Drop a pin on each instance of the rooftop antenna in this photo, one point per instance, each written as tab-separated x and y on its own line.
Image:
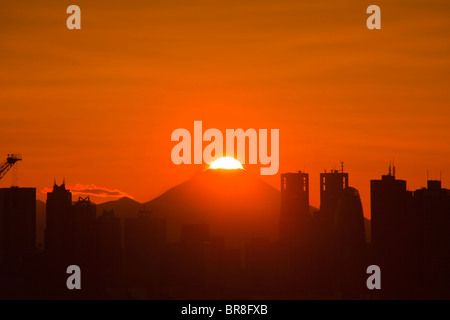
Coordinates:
389	167
342	166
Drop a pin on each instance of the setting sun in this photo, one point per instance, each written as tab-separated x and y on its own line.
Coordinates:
226	163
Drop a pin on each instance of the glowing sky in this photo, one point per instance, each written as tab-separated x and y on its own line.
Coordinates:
97	106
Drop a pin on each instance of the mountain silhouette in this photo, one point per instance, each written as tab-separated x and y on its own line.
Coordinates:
234	204
124	208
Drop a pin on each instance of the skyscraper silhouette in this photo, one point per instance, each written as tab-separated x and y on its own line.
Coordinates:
349	221
331	186
326	253
58	212
294	213
17	240
296	234
351	242
394	236
82	244
82	229
320	255
433	209
17	224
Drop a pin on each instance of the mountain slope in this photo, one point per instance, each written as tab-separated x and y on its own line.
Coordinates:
235	204
124	208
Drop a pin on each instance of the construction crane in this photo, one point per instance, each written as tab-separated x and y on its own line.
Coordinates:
9	163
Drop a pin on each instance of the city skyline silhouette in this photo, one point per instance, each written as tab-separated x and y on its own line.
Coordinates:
80	103
107	131
173	250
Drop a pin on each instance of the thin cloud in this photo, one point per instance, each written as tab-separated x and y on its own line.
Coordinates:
93	190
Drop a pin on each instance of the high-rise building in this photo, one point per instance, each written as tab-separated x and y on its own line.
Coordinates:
17	223
349	221
395	237
82	228
58	217
388	201
433	209
331	186
294	213
350	236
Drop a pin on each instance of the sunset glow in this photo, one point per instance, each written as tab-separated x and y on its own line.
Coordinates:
157	68
226	163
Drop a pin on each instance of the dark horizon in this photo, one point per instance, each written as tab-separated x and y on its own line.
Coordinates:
175	244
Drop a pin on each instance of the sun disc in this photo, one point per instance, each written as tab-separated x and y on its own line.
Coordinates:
226	163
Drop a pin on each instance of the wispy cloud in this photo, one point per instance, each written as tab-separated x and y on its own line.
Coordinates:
93	190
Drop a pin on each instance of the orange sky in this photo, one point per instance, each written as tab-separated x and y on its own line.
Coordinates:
98	105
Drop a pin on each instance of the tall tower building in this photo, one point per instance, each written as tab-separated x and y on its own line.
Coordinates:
433	208
349	220
394	236
294	213
17	223
351	240
332	185
388	203
58	212
82	228
295	233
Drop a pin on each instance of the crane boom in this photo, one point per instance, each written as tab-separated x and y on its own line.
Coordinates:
9	163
